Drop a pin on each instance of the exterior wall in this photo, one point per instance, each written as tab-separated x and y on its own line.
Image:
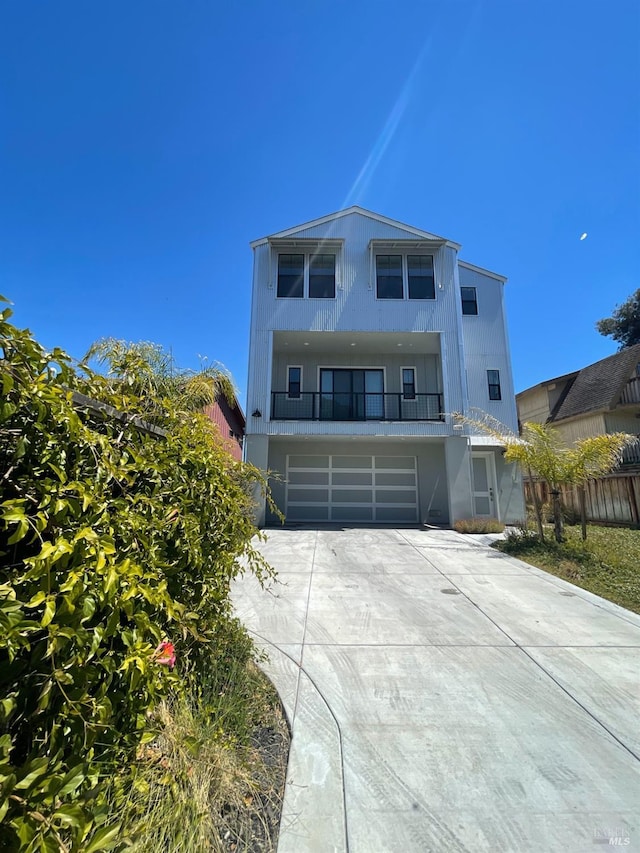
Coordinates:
432	474
355	307
581	427
622	422
486	348
230	425
467	348
533	406
427	369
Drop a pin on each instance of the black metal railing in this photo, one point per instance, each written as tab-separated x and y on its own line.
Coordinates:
338	406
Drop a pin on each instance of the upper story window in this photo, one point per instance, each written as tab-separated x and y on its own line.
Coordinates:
405	277
294	382
493	380
409	383
469	301
307	274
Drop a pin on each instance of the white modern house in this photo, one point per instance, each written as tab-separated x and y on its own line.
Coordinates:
366	335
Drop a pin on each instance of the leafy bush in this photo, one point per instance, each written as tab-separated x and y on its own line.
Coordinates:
112	541
478	525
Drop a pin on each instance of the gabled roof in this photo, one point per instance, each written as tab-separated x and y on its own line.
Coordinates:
599	385
425	235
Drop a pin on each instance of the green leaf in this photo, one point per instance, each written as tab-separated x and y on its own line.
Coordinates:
70	815
72	780
105	838
49	612
35	770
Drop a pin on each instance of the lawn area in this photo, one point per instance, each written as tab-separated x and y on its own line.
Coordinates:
608	563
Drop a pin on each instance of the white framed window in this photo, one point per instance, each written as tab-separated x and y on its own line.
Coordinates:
306	274
294	381
408	382
404	276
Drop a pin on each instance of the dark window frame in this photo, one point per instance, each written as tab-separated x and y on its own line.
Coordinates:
493	381
284	285
471	303
294	387
408	283
408	388
304	281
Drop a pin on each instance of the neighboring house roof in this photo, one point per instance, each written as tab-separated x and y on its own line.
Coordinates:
596	387
425	235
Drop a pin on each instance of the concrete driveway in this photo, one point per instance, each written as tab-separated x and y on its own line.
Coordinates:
444	697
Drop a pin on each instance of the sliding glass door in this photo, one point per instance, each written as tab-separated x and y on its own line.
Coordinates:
351	395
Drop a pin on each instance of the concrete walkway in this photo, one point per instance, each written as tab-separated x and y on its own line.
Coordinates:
444	697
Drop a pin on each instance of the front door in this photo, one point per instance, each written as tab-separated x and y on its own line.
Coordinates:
485	504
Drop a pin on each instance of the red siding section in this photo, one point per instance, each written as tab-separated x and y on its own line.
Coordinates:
230	422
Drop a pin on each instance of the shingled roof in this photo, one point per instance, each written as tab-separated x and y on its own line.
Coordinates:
599	385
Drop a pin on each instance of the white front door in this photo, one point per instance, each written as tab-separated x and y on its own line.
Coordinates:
485	503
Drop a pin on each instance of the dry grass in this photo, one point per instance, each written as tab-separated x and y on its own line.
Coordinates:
478	525
212	781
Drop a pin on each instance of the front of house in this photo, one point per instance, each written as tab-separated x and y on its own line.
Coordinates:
366	335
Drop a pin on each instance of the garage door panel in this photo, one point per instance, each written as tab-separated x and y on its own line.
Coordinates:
298	495
401	462
351	478
351	513
386	479
308	478
307	513
341	488
308	461
351	462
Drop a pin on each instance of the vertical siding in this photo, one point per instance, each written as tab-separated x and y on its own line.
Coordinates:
486	348
355	307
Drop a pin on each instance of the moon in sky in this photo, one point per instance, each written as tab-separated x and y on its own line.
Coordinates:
584	236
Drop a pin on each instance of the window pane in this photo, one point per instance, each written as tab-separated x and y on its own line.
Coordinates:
294	382
408	383
322	277
493	379
420	273
291	276
389	276
469	300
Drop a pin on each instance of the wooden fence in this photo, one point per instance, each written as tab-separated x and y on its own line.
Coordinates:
614	499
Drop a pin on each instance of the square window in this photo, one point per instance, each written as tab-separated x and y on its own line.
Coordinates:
291	276
322	277
421	284
294	382
469	300
389	283
409	383
493	379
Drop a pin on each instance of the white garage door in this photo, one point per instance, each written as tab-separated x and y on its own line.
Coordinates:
352	488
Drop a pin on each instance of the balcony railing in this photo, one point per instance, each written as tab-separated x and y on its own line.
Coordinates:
631	391
337	406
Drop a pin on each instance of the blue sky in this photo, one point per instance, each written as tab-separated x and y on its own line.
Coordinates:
144	144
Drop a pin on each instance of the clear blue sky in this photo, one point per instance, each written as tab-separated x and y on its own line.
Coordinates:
144	144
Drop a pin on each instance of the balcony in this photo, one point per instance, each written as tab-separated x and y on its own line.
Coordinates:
340	406
631	454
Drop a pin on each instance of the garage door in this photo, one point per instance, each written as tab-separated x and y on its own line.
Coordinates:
351	488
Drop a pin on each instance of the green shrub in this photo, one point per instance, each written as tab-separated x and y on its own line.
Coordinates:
478	525
112	541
